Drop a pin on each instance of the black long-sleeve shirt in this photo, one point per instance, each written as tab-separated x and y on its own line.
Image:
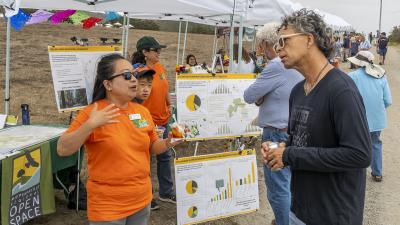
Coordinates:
328	150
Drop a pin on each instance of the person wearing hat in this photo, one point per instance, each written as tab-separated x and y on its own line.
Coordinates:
159	105
119	136
374	88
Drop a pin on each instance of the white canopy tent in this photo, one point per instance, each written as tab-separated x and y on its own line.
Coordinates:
213	12
190	7
333	21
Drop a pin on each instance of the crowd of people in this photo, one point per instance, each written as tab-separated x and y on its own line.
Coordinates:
327	125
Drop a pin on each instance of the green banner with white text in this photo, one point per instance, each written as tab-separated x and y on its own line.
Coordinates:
27	185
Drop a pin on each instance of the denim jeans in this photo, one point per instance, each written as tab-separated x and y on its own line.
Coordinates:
376	162
164	173
278	182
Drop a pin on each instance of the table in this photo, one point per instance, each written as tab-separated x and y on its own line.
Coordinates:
29	159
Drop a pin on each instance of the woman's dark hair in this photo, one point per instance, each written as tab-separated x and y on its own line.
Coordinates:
138	57
105	68
188	57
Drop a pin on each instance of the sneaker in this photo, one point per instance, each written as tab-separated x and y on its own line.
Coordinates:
154	205
376	178
170	199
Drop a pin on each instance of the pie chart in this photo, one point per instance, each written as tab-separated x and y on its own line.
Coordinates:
192	212
191	187
193	102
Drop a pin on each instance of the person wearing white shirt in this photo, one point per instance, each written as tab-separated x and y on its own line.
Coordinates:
365	45
246	63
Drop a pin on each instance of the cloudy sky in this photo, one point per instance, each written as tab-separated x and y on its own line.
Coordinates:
361	14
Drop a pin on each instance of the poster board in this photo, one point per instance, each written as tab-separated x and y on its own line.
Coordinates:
212	106
215	186
73	69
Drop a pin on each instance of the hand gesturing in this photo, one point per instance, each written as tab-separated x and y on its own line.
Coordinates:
102	117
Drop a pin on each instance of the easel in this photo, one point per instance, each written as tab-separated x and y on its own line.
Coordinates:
217	57
234	143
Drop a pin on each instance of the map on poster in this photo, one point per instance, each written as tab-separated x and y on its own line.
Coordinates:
214	186
73	69
213	106
14	138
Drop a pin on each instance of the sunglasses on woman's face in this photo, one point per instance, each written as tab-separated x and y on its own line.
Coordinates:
158	50
127	75
282	39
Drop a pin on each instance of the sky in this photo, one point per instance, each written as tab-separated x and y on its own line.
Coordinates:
363	15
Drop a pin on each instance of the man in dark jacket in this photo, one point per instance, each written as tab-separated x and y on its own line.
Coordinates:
329	142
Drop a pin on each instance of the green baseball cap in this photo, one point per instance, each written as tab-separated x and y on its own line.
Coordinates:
148	42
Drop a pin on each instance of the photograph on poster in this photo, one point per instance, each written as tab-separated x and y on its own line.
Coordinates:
72	98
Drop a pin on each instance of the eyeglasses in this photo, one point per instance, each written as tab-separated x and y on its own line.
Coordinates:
282	39
158	50
126	75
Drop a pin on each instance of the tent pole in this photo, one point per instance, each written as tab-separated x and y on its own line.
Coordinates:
231	40
179	41
215	40
7	90
253	46
184	42
77	179
123	35
126	36
240	43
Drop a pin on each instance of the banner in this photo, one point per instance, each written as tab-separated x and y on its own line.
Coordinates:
73	69
212	106
214	186
27	185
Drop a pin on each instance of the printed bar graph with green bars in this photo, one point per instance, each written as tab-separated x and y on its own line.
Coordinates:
225	193
251	178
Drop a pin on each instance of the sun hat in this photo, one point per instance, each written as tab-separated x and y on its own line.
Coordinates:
147	42
366	59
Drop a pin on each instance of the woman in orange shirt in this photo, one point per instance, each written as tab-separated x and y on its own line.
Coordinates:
119	136
158	103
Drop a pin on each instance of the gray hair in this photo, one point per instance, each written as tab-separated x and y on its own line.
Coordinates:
268	33
307	21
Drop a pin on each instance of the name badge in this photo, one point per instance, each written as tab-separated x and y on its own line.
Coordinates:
135	116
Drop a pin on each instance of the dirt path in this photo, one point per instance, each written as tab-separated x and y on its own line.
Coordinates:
382	205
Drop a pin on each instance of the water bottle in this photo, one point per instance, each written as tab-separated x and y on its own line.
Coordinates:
25	114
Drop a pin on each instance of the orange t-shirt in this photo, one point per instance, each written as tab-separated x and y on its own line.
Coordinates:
157	101
119	181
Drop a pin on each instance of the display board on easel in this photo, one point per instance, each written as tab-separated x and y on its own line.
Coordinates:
73	69
212	106
204	194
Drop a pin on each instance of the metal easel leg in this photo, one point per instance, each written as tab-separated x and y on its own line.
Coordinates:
195	148
77	180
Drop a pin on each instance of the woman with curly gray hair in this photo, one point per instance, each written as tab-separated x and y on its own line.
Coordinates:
329	144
